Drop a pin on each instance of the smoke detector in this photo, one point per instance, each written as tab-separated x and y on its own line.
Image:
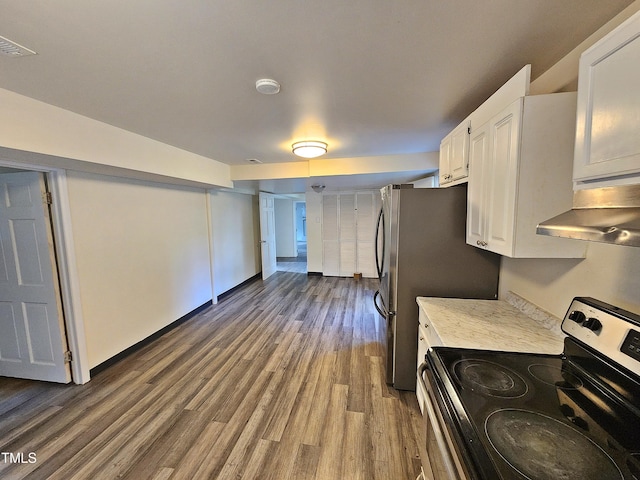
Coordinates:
267	86
12	49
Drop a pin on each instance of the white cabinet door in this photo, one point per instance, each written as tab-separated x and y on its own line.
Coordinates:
520	174
445	160
491	201
459	160
479	171
504	134
454	155
607	139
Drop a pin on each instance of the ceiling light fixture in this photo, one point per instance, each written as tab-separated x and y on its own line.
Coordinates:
309	149
267	86
317	188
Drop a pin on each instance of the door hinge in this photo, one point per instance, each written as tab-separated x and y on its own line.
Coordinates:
47	198
68	357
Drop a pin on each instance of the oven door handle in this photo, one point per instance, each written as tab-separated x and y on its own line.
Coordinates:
421	369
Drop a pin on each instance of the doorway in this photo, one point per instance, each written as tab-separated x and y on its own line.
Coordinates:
291	238
66	281
301	229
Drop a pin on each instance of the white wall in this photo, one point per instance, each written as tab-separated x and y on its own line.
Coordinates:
71	141
610	273
285	228
235	224
142	253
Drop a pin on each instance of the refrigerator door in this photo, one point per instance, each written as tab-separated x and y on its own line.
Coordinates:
387	244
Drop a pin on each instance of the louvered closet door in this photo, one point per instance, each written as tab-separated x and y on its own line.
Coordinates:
367	207
330	236
347	227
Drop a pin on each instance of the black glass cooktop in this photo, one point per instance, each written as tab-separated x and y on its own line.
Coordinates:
533	416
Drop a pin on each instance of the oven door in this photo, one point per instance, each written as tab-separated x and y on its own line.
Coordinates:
439	459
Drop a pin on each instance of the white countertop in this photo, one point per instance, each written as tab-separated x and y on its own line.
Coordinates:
490	325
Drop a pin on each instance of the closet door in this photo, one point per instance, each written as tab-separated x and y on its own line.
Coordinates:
367	207
330	236
347	228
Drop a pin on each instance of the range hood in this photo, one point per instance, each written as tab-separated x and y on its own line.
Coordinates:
609	215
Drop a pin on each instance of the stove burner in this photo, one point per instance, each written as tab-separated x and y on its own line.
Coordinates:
555	376
489	378
540	447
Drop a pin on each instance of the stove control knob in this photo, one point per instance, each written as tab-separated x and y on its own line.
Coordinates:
577	316
592	324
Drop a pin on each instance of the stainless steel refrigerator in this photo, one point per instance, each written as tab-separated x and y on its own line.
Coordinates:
421	251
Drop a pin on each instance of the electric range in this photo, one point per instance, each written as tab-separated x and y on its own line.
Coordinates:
505	415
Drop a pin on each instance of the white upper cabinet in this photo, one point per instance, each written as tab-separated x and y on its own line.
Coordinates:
520	174
454	155
608	123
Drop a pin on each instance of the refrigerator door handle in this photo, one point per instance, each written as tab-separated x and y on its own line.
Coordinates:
381	309
379	261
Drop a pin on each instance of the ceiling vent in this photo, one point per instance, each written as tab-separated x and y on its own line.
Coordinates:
253	160
12	49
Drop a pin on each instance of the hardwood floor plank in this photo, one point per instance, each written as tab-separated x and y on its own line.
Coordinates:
168	449
354	460
161	474
190	463
306	463
321	400
329	466
283	379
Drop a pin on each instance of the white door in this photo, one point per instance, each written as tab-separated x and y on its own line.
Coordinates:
330	235
268	234
32	336
347	228
368	206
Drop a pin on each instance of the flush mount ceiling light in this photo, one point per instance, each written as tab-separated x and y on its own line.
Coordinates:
267	86
309	149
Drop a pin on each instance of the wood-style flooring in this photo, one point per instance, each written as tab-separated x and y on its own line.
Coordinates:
283	379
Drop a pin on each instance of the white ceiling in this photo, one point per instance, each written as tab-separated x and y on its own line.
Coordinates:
370	77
